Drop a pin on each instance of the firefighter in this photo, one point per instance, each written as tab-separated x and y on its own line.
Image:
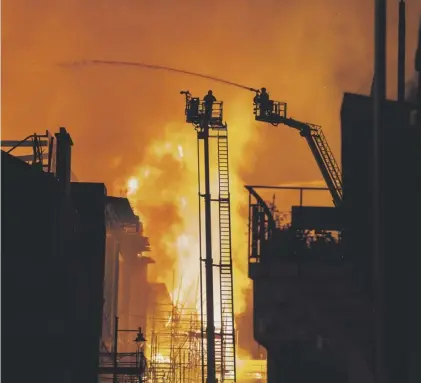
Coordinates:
263	102
209	99
265	106
264	96
261	96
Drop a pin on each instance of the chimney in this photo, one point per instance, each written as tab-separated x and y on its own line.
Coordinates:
401	51
63	162
418	69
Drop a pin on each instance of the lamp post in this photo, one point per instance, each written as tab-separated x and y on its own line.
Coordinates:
140	357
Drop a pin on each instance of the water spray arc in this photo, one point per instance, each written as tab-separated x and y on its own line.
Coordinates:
156	67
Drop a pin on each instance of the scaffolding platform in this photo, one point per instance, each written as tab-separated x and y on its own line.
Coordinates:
176	346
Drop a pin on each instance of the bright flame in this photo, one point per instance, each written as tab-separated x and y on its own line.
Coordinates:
180	151
159	358
183	202
131	110
167	181
132	185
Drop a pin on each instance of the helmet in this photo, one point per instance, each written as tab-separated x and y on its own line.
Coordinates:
263	89
210	92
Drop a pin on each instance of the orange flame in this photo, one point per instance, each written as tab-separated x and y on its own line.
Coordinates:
122	120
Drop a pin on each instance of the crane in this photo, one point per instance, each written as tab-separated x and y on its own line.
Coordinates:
275	113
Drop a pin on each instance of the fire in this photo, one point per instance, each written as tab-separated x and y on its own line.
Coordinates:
180	151
127	124
159	358
168	176
166	196
132	185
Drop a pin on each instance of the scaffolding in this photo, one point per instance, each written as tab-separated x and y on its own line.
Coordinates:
175	347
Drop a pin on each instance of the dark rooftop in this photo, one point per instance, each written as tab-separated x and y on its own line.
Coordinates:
122	210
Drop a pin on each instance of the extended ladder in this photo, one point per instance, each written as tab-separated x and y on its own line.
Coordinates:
328	158
220	352
322	154
274	112
227	336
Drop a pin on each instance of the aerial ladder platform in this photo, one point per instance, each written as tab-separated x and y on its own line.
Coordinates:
275	113
219	347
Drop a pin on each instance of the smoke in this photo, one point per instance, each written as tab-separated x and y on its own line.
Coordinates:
121	119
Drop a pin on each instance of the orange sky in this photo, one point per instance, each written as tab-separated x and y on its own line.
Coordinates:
307	52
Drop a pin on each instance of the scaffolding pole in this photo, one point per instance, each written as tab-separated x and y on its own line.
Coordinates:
176	346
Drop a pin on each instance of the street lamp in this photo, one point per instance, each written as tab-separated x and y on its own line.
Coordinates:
140	357
140	339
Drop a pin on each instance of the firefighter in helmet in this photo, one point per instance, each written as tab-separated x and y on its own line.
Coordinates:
262	101
208	100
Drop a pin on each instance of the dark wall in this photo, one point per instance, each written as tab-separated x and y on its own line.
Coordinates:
298	362
35	311
400	158
88	264
357	161
52	274
357	165
111	280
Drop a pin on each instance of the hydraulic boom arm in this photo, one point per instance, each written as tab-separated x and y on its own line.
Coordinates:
274	112
323	155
